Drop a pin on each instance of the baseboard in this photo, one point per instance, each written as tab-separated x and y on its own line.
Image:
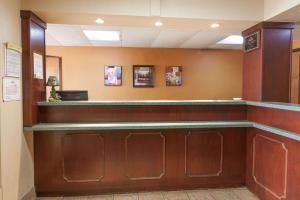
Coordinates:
31	195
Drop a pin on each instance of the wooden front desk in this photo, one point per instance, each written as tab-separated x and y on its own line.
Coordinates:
102	147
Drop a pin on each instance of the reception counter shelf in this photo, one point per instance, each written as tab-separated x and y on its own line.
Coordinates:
167	124
275	105
159	125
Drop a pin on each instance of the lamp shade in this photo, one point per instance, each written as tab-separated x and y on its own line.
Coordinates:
52	81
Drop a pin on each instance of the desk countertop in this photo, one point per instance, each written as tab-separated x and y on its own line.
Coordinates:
275	105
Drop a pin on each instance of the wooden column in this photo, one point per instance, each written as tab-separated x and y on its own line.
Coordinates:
33	41
266	71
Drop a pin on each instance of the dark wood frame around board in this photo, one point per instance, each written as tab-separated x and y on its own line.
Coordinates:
60	69
34	90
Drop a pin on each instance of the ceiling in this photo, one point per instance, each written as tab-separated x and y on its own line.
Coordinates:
153	37
186	23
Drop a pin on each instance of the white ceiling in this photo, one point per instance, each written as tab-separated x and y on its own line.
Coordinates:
154	37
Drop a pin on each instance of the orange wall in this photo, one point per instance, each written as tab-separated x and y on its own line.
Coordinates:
296	44
207	74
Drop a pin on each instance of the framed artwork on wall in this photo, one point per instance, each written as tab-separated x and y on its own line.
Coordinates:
143	76
251	42
113	75
173	76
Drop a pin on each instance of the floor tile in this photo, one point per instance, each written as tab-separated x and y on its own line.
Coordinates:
151	196
75	198
101	197
199	195
244	194
176	195
223	195
126	197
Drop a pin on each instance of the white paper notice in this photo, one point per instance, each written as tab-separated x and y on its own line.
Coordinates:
13	56
38	66
11	89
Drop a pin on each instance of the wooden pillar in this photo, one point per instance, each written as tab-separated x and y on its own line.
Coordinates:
267	62
33	41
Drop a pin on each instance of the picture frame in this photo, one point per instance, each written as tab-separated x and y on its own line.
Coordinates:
112	75
143	76
252	42
173	75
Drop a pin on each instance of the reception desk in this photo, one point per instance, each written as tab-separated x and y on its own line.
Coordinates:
124	146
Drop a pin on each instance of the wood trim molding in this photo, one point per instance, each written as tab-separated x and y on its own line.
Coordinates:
278	196
27	14
60	70
269	25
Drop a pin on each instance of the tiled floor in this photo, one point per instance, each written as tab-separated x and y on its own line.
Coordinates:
212	194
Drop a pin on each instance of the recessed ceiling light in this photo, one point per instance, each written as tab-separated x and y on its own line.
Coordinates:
102	35
232	39
215	25
159	23
99	21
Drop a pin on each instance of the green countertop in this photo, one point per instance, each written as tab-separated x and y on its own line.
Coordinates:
144	102
136	125
159	125
275	105
166	125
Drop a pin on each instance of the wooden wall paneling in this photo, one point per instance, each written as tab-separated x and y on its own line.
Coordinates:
83	157
277	54
278	118
266	70
33	41
137	160
273	169
252	73
145	156
203	154
270	165
60	114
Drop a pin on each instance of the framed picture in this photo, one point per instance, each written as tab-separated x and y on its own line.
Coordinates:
252	41
174	76
112	75
143	76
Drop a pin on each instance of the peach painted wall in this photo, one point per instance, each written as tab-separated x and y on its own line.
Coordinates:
16	147
207	74
296	44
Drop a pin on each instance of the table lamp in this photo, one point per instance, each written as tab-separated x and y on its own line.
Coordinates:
53	81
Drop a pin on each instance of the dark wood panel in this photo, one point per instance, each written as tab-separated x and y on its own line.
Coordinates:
277	53
33	41
268	67
204	154
270	165
273	169
141	160
83	157
145	156
283	119
252	73
59	114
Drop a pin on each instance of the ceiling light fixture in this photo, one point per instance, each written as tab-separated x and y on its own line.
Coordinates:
102	35
159	23
99	21
232	39
215	25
